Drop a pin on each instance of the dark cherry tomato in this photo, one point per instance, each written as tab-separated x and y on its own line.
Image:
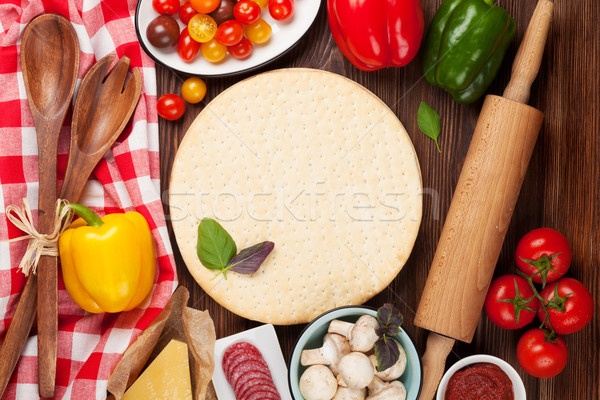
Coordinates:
163	31
242	50
545	253
246	12
229	33
170	106
205	6
187	48
281	10
186	12
539	356
165	7
510	303
570	306
224	11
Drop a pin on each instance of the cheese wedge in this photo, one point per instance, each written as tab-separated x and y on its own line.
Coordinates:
166	378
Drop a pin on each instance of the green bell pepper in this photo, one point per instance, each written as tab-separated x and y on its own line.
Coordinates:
465	46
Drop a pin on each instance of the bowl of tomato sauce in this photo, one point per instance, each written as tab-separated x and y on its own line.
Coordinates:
481	376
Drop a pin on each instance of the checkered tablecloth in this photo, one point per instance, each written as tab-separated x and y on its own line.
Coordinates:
89	345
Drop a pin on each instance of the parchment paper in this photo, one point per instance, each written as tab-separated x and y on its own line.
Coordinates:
176	321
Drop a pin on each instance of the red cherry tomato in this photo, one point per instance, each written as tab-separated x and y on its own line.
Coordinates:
163	31
540	357
242	50
540	251
187	48
229	33
574	306
186	12
246	12
166	7
205	6
522	306
170	106
281	10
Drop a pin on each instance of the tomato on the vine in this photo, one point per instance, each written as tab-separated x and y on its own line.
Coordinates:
510	302
258	32
202	28
186	12
570	306
213	51
170	106
544	254
193	90
281	10
205	6
246	12
166	7
539	356
242	50
187	48
229	33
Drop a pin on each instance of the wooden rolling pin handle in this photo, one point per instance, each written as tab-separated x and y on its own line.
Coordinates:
529	57
434	361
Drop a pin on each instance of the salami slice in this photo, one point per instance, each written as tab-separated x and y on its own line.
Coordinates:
262	395
241	356
238	348
248	376
245	367
265	388
247	385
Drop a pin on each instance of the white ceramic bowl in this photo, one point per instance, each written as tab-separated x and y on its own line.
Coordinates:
518	387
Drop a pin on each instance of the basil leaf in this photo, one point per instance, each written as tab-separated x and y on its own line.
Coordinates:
389	318
386	353
429	122
215	246
249	260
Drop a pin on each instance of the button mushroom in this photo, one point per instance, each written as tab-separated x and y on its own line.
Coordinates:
362	335
317	383
395	371
344	393
356	370
334	348
380	390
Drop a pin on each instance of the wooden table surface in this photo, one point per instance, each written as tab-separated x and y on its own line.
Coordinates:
560	189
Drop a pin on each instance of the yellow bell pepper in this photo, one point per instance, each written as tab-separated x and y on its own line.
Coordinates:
108	264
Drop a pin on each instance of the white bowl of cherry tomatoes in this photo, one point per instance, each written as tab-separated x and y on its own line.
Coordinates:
221	37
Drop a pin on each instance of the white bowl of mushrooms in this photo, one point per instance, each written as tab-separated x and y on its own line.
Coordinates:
334	358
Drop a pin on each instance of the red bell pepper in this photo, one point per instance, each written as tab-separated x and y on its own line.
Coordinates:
374	34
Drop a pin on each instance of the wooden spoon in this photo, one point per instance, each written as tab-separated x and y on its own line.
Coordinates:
50	61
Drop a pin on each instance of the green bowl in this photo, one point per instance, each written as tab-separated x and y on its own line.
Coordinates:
312	338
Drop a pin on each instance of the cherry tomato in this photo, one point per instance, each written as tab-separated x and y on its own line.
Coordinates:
261	3
166	7
520	308
246	12
186	12
571	306
281	10
224	12
540	251
170	106
202	28
187	48
229	33
193	90
163	31
242	50
213	51
540	357
258	32
205	6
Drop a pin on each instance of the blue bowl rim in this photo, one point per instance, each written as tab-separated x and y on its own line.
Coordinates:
289	361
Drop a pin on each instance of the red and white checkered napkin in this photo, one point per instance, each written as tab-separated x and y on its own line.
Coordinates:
89	345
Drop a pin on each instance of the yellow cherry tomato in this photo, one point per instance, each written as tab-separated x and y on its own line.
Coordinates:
193	90
202	28
261	3
258	32
213	51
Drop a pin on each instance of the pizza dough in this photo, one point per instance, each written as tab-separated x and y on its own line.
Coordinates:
313	162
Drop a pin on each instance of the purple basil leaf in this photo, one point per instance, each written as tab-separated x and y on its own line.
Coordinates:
389	316
391	330
386	352
249	260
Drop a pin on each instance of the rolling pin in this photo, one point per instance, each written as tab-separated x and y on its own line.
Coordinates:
482	207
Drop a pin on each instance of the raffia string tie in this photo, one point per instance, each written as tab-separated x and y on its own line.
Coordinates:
40	244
